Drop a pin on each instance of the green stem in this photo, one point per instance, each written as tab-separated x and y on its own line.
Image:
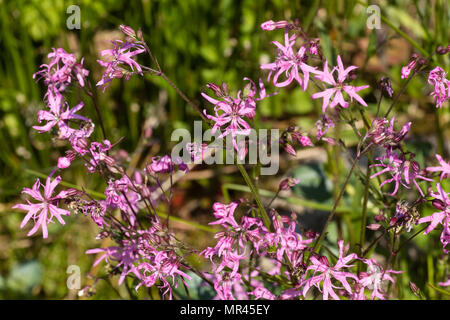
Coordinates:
316	247
262	210
292	200
362	238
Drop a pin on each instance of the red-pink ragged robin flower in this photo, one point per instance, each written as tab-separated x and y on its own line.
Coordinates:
441	92
121	56
324	273
290	64
61	69
162	266
442	203
43	212
231	112
373	278
339	86
161	165
99	157
57	116
402	172
444	168
125	255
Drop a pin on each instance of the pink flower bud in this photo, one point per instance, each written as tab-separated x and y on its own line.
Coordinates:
438	204
289	149
288	183
128	31
271	25
68	193
374	226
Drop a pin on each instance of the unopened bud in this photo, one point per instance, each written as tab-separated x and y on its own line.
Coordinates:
128	31
289	149
438	204
288	183
414	288
441	50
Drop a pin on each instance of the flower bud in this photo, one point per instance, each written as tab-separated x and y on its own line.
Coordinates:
215	88
289	149
271	25
109	161
374	226
128	31
438	204
414	288
441	50
385	84
82	143
288	183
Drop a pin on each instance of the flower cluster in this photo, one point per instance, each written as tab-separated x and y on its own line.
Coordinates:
256	254
280	247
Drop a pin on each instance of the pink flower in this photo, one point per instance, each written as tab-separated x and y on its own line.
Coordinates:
161	164
262	293
445	284
225	214
162	266
402	172
64	162
223	284
125	256
98	155
289	63
444	168
284	239
323	125
230	112
121	56
374	276
305	141
56	116
406	70
324	273
442	201
61	69
437	78
39	212
338	87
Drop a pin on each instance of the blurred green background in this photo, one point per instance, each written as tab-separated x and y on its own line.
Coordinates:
196	42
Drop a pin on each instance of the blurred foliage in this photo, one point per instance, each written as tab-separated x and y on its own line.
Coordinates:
196	42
